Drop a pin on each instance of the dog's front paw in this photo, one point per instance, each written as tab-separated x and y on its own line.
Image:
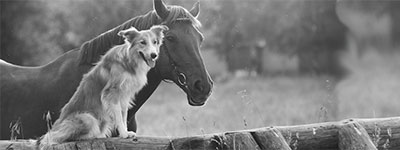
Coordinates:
127	134
131	134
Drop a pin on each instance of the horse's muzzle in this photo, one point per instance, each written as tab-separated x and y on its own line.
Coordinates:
199	102
199	93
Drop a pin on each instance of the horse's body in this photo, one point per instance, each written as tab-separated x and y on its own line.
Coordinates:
27	93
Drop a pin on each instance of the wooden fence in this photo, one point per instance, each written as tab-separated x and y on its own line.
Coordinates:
350	134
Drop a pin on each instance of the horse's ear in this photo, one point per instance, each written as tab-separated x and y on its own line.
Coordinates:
129	34
158	30
161	9
195	11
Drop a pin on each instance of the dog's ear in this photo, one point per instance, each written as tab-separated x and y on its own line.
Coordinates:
129	34
158	30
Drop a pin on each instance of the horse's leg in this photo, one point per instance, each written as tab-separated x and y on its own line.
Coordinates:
132	126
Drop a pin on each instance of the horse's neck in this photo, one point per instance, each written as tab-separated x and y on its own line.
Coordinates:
153	80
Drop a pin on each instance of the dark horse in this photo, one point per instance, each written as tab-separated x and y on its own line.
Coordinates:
27	93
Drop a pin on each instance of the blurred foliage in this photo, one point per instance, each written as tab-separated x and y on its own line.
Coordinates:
306	28
35	32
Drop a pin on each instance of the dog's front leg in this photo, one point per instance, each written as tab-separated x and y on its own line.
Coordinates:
124	112
121	124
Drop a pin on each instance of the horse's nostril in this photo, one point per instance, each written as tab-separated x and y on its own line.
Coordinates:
198	86
153	55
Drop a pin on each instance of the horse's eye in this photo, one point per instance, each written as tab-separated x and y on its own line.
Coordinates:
170	38
143	42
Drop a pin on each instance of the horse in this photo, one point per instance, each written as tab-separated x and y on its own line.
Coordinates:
28	93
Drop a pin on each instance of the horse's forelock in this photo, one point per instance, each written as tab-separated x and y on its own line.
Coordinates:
177	13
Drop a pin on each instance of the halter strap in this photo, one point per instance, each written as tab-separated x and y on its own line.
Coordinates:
182	80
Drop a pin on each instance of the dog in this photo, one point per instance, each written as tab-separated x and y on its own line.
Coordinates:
100	103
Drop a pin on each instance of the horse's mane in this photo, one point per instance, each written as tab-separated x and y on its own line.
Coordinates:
92	50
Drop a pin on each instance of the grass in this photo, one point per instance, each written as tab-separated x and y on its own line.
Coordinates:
15	129
241	103
373	88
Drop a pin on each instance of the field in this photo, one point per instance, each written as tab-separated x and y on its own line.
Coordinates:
251	102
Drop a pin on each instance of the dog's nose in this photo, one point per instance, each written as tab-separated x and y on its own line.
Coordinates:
153	55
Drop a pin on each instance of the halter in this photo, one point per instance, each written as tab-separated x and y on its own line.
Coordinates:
181	76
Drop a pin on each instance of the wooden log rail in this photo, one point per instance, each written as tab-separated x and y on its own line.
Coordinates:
366	134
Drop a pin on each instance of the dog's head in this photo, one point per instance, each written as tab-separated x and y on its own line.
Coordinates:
146	43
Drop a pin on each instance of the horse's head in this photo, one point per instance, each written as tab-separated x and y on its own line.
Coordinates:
180	59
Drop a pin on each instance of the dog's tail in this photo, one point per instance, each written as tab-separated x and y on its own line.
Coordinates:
77	127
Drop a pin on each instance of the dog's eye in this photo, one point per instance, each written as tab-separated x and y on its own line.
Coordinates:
143	42
155	42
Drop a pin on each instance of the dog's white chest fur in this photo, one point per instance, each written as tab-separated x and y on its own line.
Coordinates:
132	84
123	84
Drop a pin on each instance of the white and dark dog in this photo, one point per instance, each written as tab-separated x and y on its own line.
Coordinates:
104	95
